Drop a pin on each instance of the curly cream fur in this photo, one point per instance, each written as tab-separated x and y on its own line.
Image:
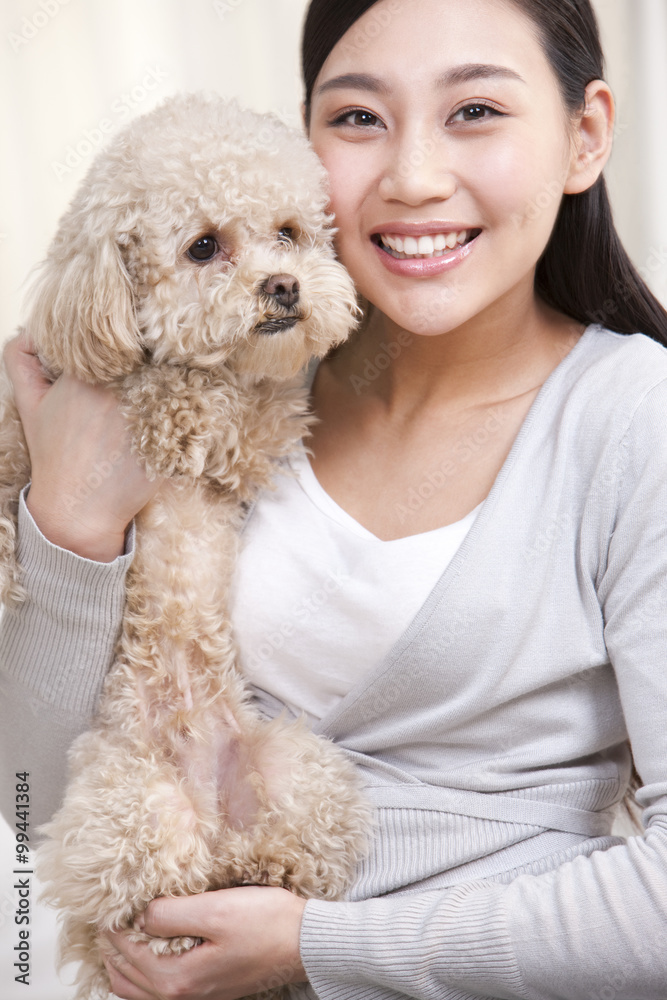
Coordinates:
180	787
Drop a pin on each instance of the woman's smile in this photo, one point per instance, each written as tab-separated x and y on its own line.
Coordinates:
424	253
438	135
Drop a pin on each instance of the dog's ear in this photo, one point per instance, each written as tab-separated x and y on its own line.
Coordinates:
82	317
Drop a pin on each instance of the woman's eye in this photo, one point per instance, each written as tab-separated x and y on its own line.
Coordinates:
475	113
203	249
358	118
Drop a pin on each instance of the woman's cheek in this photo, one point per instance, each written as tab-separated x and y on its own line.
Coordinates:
530	191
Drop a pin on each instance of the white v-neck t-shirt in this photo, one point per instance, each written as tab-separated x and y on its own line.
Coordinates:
317	599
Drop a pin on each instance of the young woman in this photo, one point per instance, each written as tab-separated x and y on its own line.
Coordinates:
487	494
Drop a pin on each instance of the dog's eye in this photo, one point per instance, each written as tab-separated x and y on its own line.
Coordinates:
286	235
203	249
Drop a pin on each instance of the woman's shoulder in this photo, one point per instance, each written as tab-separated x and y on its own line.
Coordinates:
635	354
610	404
613	373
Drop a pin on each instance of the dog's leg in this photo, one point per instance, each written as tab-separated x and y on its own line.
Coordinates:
289	808
14	474
173	421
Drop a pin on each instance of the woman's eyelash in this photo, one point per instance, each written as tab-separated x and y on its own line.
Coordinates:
342	118
475	107
475	111
472	112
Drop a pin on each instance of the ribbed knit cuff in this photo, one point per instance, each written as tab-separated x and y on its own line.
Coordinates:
438	945
59	642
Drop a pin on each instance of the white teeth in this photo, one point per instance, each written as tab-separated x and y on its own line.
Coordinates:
423	246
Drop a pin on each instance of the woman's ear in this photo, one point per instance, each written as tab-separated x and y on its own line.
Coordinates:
592	141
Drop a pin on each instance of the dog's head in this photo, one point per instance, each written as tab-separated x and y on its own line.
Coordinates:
199	236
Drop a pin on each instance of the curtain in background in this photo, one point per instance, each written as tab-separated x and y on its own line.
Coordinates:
72	71
634	34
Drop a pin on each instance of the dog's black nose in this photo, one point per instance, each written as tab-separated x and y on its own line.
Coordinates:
284	288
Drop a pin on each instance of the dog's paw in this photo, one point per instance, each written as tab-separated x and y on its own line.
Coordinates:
171	419
170	443
12	591
173	946
163	946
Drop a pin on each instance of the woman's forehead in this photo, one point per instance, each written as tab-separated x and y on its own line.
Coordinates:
441	37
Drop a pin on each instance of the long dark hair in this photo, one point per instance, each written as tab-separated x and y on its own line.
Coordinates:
584	271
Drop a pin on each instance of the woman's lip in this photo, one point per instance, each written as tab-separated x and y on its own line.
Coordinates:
422	228
425	266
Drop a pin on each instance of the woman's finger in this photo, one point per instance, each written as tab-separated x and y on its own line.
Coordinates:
127	982
215	913
29	380
179	916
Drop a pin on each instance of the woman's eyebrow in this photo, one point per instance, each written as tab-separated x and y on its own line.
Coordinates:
476	71
358	81
458	74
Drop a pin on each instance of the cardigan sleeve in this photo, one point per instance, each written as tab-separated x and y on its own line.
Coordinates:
594	927
55	650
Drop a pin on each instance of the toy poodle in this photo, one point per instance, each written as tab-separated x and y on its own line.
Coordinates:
195	273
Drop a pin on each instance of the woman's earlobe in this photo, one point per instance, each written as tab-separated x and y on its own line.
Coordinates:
593	140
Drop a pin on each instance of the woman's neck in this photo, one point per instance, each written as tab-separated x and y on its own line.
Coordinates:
489	359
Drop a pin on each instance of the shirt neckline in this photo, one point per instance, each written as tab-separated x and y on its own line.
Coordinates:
325	503
327	724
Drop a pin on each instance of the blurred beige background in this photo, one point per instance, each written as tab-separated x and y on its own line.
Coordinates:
73	71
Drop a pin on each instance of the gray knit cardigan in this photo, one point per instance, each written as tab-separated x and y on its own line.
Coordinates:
493	736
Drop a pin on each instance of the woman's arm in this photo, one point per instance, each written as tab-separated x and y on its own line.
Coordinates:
592	928
55	650
251	946
56	647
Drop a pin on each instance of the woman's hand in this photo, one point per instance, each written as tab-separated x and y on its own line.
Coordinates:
86	485
251	944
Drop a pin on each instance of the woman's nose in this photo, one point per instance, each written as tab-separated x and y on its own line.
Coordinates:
418	170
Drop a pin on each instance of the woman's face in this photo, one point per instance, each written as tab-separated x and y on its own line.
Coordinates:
447	144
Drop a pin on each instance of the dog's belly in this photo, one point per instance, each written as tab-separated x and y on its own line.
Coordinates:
181	787
187	539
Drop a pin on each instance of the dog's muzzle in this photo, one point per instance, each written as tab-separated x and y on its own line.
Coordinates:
282	290
277	325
